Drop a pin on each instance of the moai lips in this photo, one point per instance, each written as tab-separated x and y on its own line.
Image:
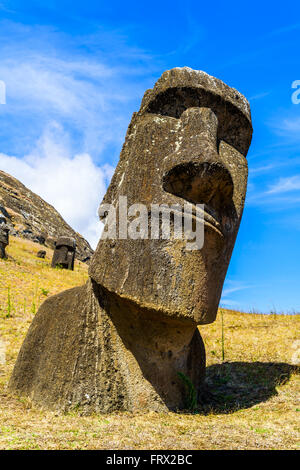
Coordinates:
64	253
120	341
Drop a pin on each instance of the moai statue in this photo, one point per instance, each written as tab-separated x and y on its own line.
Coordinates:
41	254
123	340
64	253
4	237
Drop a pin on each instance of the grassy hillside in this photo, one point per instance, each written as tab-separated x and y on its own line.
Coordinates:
250	400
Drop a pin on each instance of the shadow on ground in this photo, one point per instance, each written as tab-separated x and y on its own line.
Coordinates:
235	385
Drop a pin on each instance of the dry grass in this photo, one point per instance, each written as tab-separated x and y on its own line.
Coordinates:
250	401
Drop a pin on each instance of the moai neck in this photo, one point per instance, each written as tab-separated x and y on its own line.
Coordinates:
156	348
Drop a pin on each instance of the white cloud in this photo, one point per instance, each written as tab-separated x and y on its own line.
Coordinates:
283	30
288	128
73	184
90	84
227	303
260	169
86	95
279	196
69	101
233	286
284	185
290	125
259	96
230	287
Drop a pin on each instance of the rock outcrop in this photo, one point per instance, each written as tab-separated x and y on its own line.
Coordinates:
29	216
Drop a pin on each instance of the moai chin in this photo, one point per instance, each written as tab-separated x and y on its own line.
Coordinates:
4	237
64	253
120	341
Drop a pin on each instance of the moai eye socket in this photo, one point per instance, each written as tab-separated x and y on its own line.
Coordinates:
234	127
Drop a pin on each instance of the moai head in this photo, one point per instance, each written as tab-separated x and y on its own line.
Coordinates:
187	143
64	253
41	254
4	237
4	231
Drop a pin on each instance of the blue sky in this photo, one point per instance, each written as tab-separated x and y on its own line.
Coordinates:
75	71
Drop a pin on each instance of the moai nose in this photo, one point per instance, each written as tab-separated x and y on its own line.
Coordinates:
202	125
200	177
201	183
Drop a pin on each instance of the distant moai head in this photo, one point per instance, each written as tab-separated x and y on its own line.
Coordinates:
64	253
41	254
4	237
187	143
4	231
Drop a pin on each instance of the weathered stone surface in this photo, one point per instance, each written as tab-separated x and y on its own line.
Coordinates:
64	253
86	349
119	342
29	216
4	237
